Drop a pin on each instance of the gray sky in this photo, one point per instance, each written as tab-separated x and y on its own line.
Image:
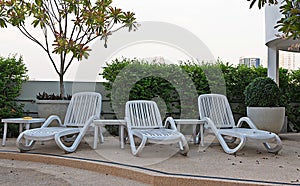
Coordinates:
229	29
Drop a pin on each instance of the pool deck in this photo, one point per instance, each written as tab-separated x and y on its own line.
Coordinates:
162	165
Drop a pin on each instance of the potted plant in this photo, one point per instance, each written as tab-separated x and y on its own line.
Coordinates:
263	101
52	104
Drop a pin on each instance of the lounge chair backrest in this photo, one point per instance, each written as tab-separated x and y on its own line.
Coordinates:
82	106
217	108
142	114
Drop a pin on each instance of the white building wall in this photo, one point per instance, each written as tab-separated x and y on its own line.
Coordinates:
272	15
287	60
274	43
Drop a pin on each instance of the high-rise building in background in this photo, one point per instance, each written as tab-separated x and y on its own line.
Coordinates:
250	61
287	60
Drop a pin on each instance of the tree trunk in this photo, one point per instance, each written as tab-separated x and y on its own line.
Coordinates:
61	86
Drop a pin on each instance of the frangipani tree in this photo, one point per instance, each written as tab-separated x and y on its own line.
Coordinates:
289	24
67	26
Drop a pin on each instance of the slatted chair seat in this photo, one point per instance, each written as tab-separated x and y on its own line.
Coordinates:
216	111
48	133
158	134
144	121
83	109
253	134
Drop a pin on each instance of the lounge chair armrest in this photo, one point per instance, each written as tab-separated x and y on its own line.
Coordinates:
248	121
89	122
172	123
210	123
50	119
128	122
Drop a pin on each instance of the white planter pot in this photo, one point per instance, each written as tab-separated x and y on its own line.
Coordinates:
52	107
267	118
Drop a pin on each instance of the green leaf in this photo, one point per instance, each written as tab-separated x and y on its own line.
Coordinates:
39	2
2	23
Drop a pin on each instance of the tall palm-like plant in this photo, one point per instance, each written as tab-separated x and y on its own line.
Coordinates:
67	26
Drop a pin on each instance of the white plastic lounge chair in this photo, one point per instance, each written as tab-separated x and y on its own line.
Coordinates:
215	110
84	107
144	121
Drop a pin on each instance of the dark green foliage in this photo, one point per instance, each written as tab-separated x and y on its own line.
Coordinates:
262	92
197	75
293	93
169	85
176	87
12	75
46	96
214	77
293	113
295	86
133	79
237	78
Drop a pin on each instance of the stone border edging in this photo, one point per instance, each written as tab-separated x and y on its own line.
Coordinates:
145	176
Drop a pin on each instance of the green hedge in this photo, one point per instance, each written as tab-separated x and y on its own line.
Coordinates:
12	75
178	86
132	80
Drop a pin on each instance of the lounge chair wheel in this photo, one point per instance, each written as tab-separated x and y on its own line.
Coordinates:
185	150
23	151
229	139
197	138
184	154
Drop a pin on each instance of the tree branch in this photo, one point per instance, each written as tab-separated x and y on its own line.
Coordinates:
69	63
51	15
48	51
29	36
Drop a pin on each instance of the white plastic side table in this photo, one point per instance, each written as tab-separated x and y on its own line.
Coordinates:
20	121
193	122
103	122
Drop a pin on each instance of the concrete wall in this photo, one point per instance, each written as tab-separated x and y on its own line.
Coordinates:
31	88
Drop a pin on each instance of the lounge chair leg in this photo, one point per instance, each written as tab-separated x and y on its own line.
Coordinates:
136	151
184	145
231	140
185	150
275	149
61	145
26	146
225	146
142	145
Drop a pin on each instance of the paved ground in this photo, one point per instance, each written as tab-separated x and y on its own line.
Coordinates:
13	172
252	163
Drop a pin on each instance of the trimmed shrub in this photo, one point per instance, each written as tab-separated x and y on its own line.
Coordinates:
133	79
12	75
262	92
